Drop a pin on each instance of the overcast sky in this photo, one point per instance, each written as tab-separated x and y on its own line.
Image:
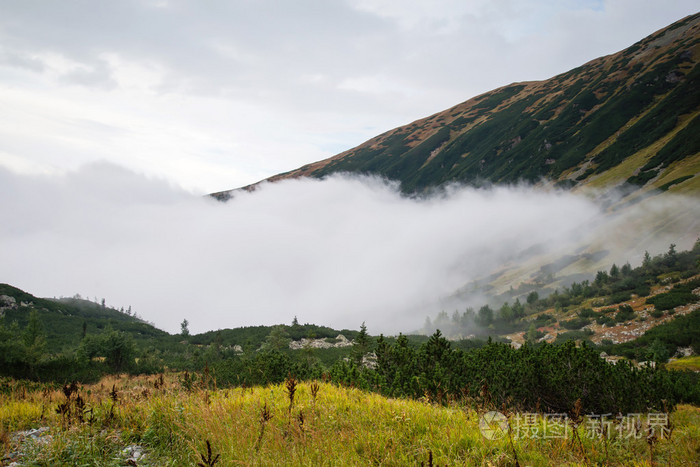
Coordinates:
212	95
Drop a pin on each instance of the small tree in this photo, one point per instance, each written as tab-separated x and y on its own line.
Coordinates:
278	339
518	309
532	297
118	350
362	344
671	256
626	269
184	328
658	352
531	336
614	272
485	316
506	314
601	278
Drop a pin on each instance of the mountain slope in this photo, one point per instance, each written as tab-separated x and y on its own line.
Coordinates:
63	319
633	117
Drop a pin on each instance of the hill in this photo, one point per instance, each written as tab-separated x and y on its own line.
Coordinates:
633	116
66	321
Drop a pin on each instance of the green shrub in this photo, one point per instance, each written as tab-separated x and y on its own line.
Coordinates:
575	323
605	321
625	313
573	336
587	313
678	296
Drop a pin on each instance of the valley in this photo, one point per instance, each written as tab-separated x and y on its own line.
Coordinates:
533	252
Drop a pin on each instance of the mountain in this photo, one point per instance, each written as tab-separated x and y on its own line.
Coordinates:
633	116
65	320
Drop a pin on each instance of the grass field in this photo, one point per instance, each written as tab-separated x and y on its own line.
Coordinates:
321	424
685	363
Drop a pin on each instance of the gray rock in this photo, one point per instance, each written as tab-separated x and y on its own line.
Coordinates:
133	453
7	302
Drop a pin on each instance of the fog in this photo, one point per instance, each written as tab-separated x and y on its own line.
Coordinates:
335	252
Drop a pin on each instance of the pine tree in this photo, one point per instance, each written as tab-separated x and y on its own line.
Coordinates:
362	344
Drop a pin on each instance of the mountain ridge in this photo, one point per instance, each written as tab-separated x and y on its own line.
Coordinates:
632	117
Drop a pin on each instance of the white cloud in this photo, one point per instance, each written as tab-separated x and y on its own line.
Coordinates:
336	252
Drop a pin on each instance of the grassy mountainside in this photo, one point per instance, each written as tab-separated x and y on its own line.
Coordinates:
63	319
632	116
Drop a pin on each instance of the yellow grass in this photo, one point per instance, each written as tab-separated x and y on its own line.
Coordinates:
685	363
341	426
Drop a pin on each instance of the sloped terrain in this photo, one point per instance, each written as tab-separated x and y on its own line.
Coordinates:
628	117
66	320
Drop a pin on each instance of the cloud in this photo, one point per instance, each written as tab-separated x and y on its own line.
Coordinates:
236	91
335	252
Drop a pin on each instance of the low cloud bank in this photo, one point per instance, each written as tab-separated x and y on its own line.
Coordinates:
335	252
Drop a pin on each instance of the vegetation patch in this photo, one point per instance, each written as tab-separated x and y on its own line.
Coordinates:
681	294
685	364
158	422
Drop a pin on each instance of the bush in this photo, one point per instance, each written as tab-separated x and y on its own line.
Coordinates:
604	320
544	318
576	323
587	313
584	335
656	314
541	377
642	290
619	297
625	313
678	296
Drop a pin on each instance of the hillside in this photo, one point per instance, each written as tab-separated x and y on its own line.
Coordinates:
650	311
633	116
623	310
65	321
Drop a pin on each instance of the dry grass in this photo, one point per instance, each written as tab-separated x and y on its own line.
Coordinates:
325	425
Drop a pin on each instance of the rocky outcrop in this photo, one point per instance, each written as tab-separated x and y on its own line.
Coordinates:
325	343
7	302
